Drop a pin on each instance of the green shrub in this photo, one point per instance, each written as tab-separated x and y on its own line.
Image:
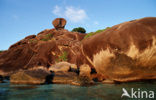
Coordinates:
1	51
62	57
44	39
79	29
47	37
33	41
89	34
93	33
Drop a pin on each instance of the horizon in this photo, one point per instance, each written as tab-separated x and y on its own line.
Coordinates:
20	18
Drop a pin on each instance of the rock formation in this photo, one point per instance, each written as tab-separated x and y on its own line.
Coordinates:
59	23
125	52
66	78
38	76
63	66
45	49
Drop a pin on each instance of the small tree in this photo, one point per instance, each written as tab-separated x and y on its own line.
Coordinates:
79	29
1	51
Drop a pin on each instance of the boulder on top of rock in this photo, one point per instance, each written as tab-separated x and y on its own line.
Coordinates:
44	49
59	23
124	52
63	67
85	70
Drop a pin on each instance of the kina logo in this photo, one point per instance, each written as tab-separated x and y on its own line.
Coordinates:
138	93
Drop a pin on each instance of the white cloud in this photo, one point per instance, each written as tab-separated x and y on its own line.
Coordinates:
75	14
57	11
71	13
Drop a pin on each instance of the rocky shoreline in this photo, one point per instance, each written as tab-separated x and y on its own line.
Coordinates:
123	53
60	73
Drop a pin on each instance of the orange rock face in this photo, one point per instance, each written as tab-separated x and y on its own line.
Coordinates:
59	23
125	52
45	49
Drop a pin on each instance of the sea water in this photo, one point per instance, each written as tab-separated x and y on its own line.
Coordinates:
70	92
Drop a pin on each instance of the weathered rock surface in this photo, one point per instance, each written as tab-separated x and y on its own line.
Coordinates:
45	49
125	52
85	70
65	78
37	76
85	75
66	73
63	67
71	78
108	81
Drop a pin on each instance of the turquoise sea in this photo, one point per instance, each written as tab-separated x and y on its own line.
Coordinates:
70	92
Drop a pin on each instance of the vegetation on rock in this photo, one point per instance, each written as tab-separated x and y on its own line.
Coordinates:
63	57
47	37
79	29
101	58
1	51
33	41
93	33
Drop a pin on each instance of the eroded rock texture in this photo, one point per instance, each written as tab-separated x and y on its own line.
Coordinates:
45	49
59	23
36	76
125	52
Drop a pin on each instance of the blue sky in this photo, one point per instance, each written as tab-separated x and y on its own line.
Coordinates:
20	18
